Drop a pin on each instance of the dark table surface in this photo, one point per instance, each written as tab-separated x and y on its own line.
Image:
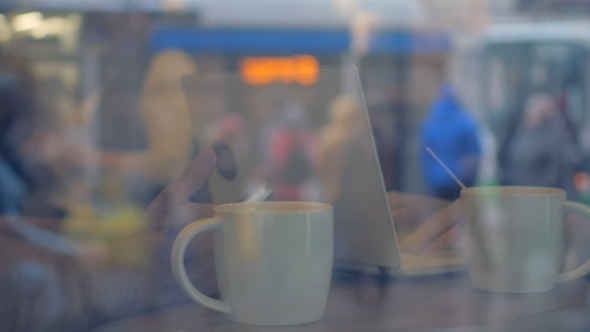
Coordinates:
368	303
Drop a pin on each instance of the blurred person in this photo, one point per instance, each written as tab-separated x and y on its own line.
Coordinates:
28	146
535	154
230	128
168	124
339	140
107	190
15	111
48	287
454	136
49	283
225	128
292	156
215	112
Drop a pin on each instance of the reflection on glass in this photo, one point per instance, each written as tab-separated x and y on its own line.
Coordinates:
99	124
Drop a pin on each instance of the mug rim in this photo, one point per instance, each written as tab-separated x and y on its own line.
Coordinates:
513	191
272	207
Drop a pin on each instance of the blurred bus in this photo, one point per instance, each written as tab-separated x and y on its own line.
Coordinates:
518	59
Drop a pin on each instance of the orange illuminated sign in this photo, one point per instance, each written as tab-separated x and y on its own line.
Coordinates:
302	69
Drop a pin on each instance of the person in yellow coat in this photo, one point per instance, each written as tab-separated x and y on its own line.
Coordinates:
130	180
167	121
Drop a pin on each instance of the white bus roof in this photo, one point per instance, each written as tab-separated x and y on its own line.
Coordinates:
538	31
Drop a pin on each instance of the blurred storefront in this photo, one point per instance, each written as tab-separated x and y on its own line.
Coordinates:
75	54
51	42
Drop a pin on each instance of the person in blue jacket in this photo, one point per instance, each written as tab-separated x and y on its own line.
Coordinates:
453	135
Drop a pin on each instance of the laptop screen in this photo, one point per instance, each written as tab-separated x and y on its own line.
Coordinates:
305	134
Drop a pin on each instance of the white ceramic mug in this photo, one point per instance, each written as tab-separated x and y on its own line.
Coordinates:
516	238
273	261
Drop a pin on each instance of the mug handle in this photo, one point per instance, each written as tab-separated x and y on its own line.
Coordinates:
573	207
177	262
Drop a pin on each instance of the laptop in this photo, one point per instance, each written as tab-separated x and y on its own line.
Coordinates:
305	139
